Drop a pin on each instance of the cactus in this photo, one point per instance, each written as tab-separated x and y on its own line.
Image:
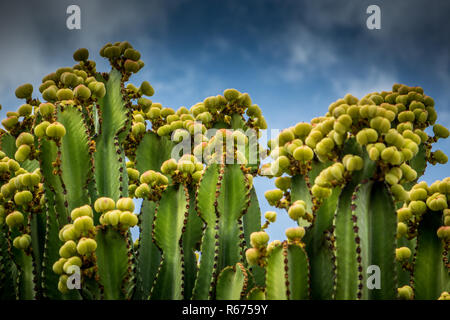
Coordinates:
72	165
96	158
351	184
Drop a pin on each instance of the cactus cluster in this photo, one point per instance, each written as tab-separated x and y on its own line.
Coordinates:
349	178
94	157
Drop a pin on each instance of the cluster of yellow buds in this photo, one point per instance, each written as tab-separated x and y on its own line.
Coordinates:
148	185
118	215
21	192
79	245
421	198
258	241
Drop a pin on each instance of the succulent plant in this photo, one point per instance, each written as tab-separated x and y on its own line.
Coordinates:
73	166
350	184
96	158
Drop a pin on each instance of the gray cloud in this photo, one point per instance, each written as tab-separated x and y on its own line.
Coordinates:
35	40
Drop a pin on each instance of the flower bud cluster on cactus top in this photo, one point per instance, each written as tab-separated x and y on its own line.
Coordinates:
148	185
420	199
389	125
213	110
78	248
118	215
21	195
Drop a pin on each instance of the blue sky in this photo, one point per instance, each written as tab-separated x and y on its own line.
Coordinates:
293	57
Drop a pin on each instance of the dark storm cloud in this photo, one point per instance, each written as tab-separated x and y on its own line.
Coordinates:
35	39
294	42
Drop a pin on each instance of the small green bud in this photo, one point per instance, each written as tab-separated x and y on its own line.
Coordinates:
245	100
405	293
14	219
285	136
138	128
62	284
353	163
302	129
10	122
254	111
297	211
440	131
437	202
324	146
147	89
444	233
24	91
104	204
283	183
154	113
295	234
81	54
131	66
22	242
273	196
70	233
49	94
165	112
73	261
196	176
444	296
249	179
259	239
58	266
380	124
252	256
25	110
128	219
406	116
186	166
69	249
41	128
320	192
402	254
46	109
85	210
303	154
55	130
231	94
64	94
69	79
83	224
143	191
440	157
417	207
99	90
148	177
23	197
22	153
404	214
402	229
132	54
82	92
112	217
125	204
133	174
270	216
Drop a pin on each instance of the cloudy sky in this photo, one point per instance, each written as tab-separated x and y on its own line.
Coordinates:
293	57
